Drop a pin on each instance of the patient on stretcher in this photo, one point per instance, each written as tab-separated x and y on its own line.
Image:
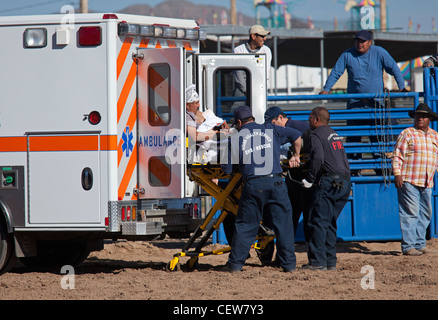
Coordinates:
203	128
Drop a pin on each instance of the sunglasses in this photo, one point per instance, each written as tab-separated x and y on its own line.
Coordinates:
422	115
259	35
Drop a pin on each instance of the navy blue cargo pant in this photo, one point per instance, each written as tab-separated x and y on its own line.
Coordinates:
330	197
261	194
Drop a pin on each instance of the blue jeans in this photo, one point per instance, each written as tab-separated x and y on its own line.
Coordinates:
263	195
415	211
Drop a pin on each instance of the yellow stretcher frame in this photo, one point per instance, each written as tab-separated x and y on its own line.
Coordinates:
227	201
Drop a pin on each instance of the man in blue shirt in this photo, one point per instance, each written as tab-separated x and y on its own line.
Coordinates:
255	150
364	64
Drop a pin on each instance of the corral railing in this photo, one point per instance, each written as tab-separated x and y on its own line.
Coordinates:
372	210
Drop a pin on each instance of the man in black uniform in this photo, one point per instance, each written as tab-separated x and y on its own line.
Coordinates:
329	172
256	152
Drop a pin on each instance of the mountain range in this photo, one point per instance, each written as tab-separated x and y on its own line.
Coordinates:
203	14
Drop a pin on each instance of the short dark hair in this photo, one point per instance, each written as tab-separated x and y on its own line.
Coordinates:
322	113
246	120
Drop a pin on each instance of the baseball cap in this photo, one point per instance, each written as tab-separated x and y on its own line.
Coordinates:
259	30
272	113
364	35
241	112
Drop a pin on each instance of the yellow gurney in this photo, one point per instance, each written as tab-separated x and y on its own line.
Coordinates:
227	200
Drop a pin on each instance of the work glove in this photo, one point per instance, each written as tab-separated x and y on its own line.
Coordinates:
306	184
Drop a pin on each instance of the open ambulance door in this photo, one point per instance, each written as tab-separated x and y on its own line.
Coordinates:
161	123
217	74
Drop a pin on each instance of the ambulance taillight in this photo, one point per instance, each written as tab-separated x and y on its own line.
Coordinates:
90	36
133	214
128	213
123	214
94	117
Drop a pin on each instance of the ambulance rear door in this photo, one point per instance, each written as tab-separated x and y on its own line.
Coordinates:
161	127
216	75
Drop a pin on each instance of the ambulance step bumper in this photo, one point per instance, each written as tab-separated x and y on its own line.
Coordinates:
142	228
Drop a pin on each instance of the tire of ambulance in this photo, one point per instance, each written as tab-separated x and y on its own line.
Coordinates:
7	252
178	234
56	255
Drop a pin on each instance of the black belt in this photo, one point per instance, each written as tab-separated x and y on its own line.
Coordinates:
336	175
272	175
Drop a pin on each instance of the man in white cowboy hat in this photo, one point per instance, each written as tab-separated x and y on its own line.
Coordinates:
414	162
255	44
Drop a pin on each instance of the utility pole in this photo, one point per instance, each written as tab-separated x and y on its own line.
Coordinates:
83	6
383	25
233	12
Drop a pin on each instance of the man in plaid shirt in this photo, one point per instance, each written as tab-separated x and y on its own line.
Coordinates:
414	162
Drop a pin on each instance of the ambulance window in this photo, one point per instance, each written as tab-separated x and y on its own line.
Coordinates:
234	86
159	172
159	94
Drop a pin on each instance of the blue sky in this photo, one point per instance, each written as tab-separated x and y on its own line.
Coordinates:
399	11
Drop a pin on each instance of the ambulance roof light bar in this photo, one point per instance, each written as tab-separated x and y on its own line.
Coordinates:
147	31
164	31
129	29
169	32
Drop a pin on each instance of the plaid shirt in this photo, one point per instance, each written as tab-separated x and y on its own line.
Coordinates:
415	156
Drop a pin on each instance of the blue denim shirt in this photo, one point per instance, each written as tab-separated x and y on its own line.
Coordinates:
365	71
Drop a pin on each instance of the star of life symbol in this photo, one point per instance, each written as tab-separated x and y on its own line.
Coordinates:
127	145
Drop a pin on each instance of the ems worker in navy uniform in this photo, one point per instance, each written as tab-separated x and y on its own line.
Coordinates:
329	173
297	194
255	150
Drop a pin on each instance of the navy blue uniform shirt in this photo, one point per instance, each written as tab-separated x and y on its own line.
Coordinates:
256	149
299	125
327	154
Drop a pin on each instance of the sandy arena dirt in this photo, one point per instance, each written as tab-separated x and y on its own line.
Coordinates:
136	270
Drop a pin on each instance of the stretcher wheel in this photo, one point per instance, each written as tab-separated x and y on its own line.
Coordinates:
193	263
173	265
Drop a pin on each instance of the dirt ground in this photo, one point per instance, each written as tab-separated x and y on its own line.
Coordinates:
136	270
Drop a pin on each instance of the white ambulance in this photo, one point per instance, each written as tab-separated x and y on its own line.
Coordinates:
89	105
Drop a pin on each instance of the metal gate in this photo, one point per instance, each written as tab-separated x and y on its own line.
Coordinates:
372	210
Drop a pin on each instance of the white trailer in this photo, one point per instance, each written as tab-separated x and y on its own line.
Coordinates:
89	105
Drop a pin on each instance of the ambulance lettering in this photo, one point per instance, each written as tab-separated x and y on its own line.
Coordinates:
156	141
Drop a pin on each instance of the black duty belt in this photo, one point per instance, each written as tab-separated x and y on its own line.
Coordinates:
337	185
336	175
272	175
